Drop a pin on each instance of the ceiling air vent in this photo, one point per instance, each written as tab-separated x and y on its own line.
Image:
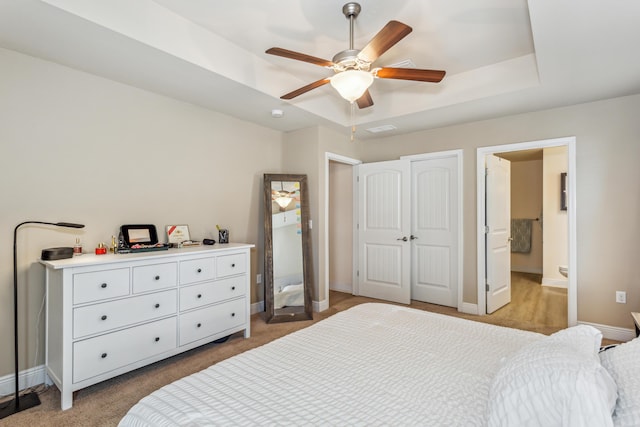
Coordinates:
383	128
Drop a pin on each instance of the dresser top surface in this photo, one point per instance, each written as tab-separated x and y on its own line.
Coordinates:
91	259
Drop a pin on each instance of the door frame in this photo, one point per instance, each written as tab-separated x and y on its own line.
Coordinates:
458	154
332	157
570	143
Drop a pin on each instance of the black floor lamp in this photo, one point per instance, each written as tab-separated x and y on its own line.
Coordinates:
29	400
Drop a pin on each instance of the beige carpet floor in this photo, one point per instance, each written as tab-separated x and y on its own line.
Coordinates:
106	403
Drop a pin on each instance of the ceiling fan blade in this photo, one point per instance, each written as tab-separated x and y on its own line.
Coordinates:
305	89
389	35
365	100
299	56
433	76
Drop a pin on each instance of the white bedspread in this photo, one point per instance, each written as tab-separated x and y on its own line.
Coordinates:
374	364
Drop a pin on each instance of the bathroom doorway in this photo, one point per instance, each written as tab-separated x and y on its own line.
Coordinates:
567	146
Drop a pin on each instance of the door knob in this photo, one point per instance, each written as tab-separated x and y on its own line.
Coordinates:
404	239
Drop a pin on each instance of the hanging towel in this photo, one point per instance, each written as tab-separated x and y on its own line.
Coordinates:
521	235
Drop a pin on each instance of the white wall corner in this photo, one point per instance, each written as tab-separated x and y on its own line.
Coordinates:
319	306
613	332
468	308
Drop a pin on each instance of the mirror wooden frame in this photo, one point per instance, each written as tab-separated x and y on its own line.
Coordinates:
273	315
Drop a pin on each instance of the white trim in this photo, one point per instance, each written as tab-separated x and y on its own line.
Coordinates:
554	283
482	152
342	287
257	307
458	154
328	157
319	306
469	308
530	270
613	332
28	378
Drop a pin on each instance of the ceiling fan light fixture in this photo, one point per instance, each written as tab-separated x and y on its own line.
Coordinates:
352	84
283	201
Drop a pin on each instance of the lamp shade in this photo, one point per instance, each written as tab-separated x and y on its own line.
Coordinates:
352	84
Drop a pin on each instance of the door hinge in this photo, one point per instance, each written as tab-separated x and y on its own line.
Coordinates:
486	171
486	229
486	287
357	273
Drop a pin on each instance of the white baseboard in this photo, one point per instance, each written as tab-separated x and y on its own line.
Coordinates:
613	332
532	270
257	307
28	378
469	308
554	283
319	306
341	287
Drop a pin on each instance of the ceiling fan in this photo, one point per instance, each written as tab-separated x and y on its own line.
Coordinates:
352	67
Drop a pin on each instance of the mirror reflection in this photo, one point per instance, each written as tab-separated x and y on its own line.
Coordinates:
286	229
287	293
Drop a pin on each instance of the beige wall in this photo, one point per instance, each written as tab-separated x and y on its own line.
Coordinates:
341	226
608	194
556	228
526	202
75	147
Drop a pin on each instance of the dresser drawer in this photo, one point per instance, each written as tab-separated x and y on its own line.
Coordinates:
100	285
211	320
197	270
96	318
228	265
154	277
207	293
96	356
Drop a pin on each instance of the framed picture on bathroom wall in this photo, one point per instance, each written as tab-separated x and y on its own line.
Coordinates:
563	191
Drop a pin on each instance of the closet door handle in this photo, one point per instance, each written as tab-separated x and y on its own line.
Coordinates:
404	239
413	237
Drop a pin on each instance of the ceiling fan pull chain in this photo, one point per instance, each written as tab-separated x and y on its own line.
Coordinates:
353	120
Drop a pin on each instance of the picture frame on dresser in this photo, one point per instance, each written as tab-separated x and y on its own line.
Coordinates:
111	314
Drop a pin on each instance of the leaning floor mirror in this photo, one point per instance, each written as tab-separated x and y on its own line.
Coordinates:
287	248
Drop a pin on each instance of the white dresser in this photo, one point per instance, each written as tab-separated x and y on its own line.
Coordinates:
110	314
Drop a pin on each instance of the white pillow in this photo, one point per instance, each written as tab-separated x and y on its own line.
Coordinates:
556	381
623	363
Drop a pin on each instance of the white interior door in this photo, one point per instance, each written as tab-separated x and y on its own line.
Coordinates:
384	230
434	231
498	234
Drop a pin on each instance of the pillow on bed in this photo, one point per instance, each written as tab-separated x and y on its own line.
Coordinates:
555	381
623	363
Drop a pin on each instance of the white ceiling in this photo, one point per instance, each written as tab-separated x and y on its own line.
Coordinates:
501	56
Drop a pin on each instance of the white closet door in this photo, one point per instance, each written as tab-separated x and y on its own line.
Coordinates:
434	231
384	230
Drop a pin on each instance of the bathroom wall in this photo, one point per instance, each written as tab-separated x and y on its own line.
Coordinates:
526	202
555	226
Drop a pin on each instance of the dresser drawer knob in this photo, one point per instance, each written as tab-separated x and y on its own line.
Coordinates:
233	315
104	285
157	305
199	324
104	317
233	288
103	355
157	339
157	277
233	265
199	270
199	295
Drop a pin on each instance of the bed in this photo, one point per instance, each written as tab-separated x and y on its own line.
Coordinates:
381	364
